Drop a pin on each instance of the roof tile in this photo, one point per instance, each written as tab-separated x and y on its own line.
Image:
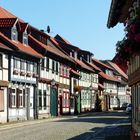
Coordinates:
22	48
82	64
108	77
118	69
51	49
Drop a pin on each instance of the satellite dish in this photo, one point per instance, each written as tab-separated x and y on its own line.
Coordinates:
48	29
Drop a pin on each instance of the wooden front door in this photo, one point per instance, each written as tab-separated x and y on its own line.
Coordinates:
53	101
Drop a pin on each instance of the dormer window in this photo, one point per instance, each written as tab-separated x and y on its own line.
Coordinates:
14	34
25	38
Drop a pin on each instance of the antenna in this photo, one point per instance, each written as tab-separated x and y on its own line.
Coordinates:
48	29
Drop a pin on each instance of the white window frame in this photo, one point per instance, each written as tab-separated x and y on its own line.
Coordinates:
13	98
25	38
20	98
14	34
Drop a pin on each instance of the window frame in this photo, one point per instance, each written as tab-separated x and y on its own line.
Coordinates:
25	38
14	34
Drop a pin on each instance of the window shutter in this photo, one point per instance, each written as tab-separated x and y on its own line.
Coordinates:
17	98
24	97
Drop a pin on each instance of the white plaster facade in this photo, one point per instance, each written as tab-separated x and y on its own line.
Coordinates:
23	79
48	72
3	89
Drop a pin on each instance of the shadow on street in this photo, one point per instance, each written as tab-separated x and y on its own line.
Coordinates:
108	132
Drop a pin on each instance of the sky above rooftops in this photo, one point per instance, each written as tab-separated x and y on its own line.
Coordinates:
81	22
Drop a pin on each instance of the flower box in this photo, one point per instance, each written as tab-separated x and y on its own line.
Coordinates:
22	73
15	72
28	74
77	88
35	75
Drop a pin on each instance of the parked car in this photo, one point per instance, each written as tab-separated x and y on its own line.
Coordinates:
129	108
124	106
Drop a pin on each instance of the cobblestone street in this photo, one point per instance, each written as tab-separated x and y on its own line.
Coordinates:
84	127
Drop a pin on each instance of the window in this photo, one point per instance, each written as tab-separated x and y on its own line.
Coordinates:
15	63
65	71
12	98
47	63
14	34
53	66
28	66
20	98
42	64
1	60
66	100
56	67
40	99
1	100
25	38
62	70
22	65
35	68
44	99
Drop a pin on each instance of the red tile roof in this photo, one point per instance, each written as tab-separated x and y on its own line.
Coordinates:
59	47
74	72
64	43
63	39
5	14
20	47
101	63
118	69
83	65
5	22
101	86
107	77
23	26
51	49
95	67
2	46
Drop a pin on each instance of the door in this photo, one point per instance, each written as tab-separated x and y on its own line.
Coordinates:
53	101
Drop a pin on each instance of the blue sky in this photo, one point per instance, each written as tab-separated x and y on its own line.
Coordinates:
81	22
